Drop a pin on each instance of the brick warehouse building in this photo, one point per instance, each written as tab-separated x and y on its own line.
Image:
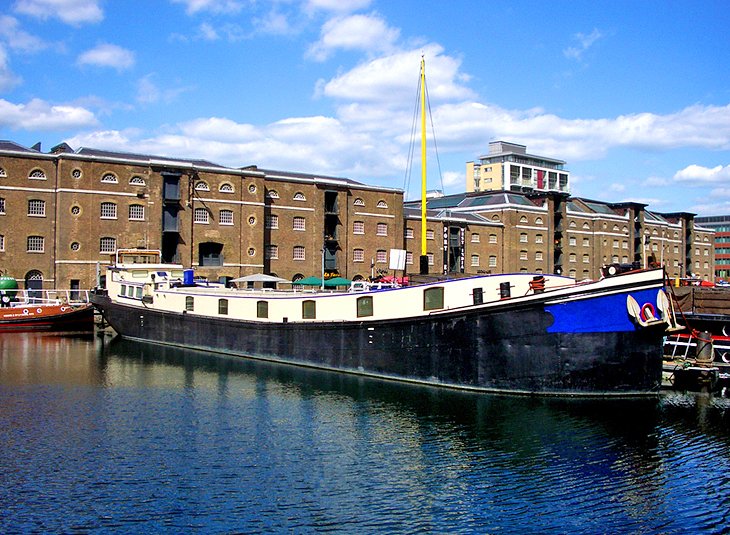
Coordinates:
63	213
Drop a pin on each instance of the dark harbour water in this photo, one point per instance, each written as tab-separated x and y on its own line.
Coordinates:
100	436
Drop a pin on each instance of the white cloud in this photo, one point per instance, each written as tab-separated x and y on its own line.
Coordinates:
38	115
273	23
73	12
368	33
699	174
17	39
584	43
148	91
214	6
107	55
393	79
8	80
339	6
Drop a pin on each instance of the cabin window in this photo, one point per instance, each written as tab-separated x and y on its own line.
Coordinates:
138	293
189	303
365	306
130	291
478	296
223	306
123	290
262	309
433	298
309	310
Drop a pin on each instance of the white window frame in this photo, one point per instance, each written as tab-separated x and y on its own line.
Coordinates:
36	208
201	216
107	244
108	210
225	217
136	212
36	244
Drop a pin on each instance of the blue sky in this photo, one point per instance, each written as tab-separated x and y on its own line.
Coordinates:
635	96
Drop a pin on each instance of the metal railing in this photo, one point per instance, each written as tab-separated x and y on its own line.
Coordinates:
50	296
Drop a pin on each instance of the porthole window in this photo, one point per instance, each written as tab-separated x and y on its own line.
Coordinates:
75	209
252	188
75	246
252	220
251	251
76	173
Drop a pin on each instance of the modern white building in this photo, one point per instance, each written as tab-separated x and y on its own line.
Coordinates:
509	167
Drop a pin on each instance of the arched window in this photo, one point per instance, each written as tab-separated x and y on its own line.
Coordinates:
299	196
226	187
359	202
272	194
382	204
523	219
137	180
109	178
202	186
37	174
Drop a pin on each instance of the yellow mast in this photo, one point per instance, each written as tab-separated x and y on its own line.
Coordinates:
423	157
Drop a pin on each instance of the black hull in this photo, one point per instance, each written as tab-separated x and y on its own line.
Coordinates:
509	350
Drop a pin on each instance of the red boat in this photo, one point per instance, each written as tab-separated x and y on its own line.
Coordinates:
57	317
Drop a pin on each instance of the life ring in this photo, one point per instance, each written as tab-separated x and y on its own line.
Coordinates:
25	312
648	312
64	308
725	357
39	311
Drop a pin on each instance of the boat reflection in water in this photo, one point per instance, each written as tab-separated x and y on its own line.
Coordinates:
152	438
